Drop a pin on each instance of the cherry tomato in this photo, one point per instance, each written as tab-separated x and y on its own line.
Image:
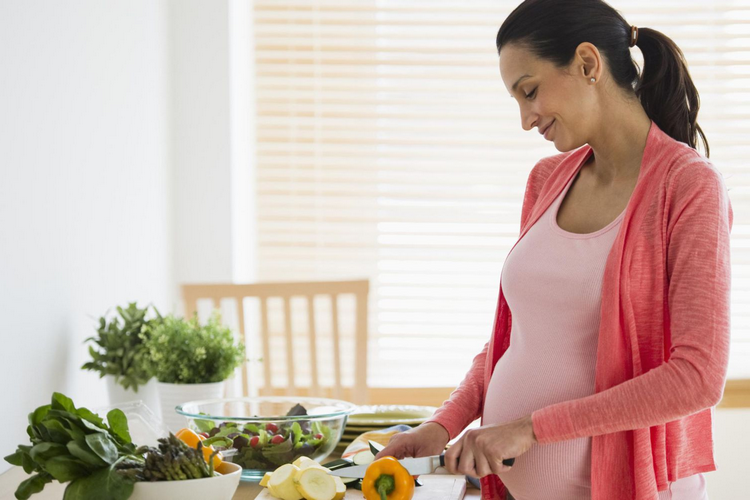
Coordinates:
270	427
318	436
277	439
254	441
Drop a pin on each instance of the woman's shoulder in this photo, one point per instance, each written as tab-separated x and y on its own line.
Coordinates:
689	171
681	163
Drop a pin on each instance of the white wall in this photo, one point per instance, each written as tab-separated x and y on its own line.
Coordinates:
84	188
212	120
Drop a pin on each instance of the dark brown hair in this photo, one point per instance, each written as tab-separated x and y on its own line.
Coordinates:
553	29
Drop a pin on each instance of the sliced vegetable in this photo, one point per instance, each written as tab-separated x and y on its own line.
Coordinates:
281	484
364	457
266	478
316	484
340	488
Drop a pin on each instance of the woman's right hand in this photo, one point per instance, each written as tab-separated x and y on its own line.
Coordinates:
423	441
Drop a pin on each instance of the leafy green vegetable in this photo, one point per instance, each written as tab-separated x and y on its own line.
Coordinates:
121	346
32	485
185	352
105	483
204	425
118	422
73	445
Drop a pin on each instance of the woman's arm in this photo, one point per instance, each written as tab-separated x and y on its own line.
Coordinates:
698	269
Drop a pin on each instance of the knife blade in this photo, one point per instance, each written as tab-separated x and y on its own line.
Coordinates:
415	466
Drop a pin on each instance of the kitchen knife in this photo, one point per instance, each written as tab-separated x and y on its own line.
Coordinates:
415	466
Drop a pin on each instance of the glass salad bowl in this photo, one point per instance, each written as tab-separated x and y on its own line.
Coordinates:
263	433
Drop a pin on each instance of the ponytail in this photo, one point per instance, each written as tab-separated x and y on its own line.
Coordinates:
665	89
553	29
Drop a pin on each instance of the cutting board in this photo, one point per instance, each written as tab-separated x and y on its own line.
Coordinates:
435	487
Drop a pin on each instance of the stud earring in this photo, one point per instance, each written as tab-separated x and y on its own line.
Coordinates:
593	80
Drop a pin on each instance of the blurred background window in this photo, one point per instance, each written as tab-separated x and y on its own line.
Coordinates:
388	148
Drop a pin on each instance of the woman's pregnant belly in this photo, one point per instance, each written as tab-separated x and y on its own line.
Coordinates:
523	382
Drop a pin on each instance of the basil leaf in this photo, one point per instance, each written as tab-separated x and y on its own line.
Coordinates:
118	423
65	468
104	484
102	445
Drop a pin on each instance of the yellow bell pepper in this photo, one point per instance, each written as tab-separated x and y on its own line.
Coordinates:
387	479
191	438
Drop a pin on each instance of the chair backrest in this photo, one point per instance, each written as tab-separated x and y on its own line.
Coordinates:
358	393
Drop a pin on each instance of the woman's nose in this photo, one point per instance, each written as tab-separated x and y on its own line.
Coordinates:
528	120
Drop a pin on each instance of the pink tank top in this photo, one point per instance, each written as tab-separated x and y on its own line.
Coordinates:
552	281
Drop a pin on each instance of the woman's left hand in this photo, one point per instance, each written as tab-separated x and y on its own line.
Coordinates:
480	452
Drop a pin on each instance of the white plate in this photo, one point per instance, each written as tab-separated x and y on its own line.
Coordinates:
378	415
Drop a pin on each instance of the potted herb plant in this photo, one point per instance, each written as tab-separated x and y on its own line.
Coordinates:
190	361
121	354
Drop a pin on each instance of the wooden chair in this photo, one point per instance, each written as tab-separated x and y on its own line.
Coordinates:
358	393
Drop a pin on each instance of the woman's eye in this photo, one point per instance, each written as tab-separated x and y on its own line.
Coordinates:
531	94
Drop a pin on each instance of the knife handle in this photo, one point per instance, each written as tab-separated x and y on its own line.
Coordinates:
508	461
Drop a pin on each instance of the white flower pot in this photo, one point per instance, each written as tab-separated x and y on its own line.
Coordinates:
171	395
146	393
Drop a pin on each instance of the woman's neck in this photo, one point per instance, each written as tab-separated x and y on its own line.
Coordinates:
620	141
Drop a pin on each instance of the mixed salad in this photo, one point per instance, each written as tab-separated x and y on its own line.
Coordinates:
266	446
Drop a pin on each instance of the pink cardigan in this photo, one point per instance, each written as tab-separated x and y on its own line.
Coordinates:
664	336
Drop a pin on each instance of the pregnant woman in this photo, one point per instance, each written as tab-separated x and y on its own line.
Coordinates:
611	337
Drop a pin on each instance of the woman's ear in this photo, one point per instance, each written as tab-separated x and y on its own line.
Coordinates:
588	62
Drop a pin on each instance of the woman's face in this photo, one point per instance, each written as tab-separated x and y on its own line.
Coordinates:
558	102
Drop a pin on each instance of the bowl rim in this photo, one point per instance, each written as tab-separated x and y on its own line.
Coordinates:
236	471
348	408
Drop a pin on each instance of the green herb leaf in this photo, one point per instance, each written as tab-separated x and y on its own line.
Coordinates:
65	468
62	402
296	432
102	445
118	422
104	484
42	452
221	441
81	451
183	351
89	416
56	432
15	459
204	425
38	415
32	485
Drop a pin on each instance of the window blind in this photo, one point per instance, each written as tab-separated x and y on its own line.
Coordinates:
388	148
